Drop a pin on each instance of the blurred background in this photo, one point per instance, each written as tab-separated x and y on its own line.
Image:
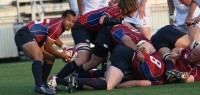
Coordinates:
16	13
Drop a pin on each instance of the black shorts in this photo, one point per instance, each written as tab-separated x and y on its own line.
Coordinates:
121	58
81	34
22	37
166	37
104	38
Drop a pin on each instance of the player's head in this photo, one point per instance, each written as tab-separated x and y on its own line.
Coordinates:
194	56
142	45
128	7
186	2
68	19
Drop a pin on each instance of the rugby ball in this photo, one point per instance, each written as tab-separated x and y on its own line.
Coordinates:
71	52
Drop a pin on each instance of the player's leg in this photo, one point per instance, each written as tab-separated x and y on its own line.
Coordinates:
121	60
100	50
25	41
82	40
47	65
134	83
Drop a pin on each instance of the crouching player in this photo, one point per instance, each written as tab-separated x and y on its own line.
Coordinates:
187	61
36	40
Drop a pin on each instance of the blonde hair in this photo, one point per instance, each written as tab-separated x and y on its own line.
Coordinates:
127	6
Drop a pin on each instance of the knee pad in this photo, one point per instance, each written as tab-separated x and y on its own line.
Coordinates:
99	51
83	48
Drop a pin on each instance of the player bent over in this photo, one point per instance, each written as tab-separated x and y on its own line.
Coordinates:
88	26
36	40
165	39
117	35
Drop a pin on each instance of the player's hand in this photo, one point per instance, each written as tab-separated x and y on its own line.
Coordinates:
196	19
141	12
174	55
65	56
172	19
140	56
189	21
185	76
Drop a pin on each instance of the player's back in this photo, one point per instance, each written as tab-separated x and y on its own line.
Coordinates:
91	19
45	27
118	31
151	69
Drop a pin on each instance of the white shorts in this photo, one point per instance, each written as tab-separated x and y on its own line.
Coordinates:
144	22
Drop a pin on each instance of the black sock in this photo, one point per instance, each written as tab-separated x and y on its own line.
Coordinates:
67	70
95	83
169	65
46	69
92	74
80	70
62	81
37	72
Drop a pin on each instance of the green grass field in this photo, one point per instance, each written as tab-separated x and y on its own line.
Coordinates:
16	79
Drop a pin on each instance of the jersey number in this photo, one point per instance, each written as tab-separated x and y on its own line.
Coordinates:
155	61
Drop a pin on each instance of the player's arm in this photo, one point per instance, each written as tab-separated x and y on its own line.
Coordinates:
171	11
81	7
106	20
60	44
48	46
127	41
176	52
189	19
134	83
141	9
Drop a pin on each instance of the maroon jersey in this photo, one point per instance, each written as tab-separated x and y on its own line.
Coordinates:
91	19
46	27
151	69
118	31
183	65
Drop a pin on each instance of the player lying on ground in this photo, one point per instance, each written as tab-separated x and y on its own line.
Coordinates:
187	61
150	71
165	39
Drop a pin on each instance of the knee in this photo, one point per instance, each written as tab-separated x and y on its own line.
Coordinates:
38	56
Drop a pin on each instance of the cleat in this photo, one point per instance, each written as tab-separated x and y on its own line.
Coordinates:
52	83
72	84
50	91
41	89
175	74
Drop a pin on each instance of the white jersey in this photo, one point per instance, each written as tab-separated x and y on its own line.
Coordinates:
91	5
197	2
145	22
74	6
182	12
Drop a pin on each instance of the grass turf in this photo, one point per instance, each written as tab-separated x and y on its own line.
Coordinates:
16	79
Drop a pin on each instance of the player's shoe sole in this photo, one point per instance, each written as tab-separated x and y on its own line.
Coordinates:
175	74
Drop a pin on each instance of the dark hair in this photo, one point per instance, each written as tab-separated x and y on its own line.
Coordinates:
65	13
127	6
